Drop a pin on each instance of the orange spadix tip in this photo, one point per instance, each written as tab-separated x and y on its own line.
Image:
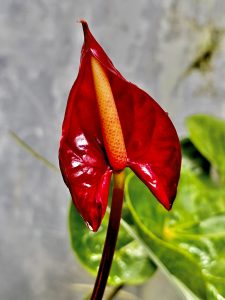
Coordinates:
109	118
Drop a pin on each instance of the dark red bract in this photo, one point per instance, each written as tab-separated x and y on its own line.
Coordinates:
152	144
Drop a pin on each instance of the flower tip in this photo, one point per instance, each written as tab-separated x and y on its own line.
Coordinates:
169	207
169	204
84	24
92	227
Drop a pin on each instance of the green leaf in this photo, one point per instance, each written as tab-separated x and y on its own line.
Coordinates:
208	135
131	264
154	229
190	239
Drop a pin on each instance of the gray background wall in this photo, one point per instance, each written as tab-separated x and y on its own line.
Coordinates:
159	45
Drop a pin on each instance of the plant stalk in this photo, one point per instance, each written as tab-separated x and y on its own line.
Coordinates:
111	237
114	292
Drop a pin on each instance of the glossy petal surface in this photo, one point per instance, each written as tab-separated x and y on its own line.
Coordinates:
82	157
151	140
152	145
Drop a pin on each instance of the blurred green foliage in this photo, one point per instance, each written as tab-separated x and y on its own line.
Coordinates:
188	241
131	264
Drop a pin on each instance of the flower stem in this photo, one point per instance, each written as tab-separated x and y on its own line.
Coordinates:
114	292
111	237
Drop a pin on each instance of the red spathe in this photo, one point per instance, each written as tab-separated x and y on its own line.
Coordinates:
152	144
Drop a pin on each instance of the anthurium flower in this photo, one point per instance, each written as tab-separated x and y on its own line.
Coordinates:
111	124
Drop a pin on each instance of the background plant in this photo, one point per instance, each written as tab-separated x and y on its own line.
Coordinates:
187	244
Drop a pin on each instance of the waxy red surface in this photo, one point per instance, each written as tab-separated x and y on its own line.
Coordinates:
152	144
